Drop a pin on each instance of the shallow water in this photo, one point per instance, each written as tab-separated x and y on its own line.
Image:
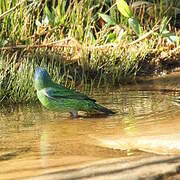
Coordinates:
35	141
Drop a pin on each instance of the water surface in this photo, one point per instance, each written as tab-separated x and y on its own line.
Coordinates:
35	141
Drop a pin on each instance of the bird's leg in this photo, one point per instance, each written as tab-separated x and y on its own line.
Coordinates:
74	114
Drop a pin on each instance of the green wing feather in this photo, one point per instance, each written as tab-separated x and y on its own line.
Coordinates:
62	92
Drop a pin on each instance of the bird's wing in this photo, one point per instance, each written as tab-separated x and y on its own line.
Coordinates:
61	92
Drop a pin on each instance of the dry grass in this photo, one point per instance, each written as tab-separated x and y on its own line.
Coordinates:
76	46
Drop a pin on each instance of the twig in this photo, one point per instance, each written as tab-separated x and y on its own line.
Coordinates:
59	43
35	46
144	36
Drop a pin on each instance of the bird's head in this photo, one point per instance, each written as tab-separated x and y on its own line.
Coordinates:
41	78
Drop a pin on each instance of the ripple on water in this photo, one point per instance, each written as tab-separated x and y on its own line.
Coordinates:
145	121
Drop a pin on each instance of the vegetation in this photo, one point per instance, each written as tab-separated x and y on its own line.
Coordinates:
83	42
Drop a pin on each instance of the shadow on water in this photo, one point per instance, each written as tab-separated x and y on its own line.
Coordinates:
34	140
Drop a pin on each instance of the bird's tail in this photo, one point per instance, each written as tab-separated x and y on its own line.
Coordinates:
104	110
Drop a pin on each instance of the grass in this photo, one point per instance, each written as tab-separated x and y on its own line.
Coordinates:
82	43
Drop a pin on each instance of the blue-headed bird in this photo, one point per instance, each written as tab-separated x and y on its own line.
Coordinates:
59	98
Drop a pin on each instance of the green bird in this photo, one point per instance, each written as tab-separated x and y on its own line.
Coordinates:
59	98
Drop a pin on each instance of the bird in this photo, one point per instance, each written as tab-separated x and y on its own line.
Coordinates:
59	98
